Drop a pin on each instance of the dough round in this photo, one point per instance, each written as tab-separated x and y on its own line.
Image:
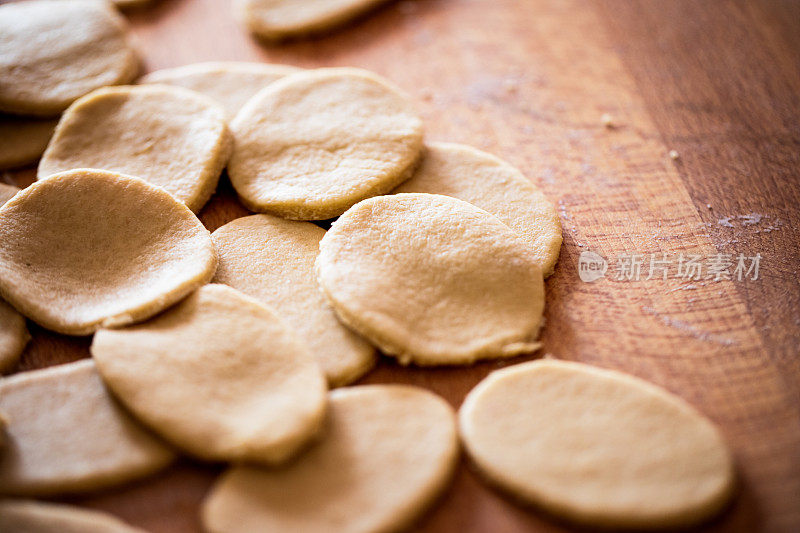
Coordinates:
66	434
219	376
314	143
86	249
13	336
596	446
280	19
53	52
168	136
272	259
432	280
26	516
13	333
491	184
23	139
230	84
387	453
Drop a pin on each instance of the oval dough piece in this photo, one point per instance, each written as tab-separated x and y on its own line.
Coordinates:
26	516
432	280
280	19
272	259
168	136
491	184
66	434
596	446
88	248
53	52
13	336
13	333
23	139
230	84
387	453
219	376
314	143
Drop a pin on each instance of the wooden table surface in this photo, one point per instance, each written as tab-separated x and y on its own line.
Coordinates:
718	82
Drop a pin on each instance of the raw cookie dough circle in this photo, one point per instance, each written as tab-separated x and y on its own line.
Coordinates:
23	139
53	52
13	336
387	453
168	136
279	19
86	249
230	84
13	333
272	259
219	376
596	446
314	143
27	516
66	434
432	280
492	184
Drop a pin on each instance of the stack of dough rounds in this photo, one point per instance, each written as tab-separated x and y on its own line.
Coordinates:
13	333
280	19
312	144
169	136
13	336
388	452
54	52
432	280
596	446
272	259
89	248
230	84
491	184
24	139
218	375
66	434
24	516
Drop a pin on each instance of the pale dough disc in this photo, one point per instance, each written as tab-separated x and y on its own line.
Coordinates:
491	184
23	139
280	19
388	452
596	446
26	516
231	84
219	376
169	136
13	336
272	259
312	144
432	280
53	52
86	249
13	333
66	434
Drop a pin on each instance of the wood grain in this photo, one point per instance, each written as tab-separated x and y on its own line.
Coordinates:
530	81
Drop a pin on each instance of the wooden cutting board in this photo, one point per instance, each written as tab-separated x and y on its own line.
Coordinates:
531	81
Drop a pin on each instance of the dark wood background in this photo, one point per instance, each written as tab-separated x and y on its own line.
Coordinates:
719	82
